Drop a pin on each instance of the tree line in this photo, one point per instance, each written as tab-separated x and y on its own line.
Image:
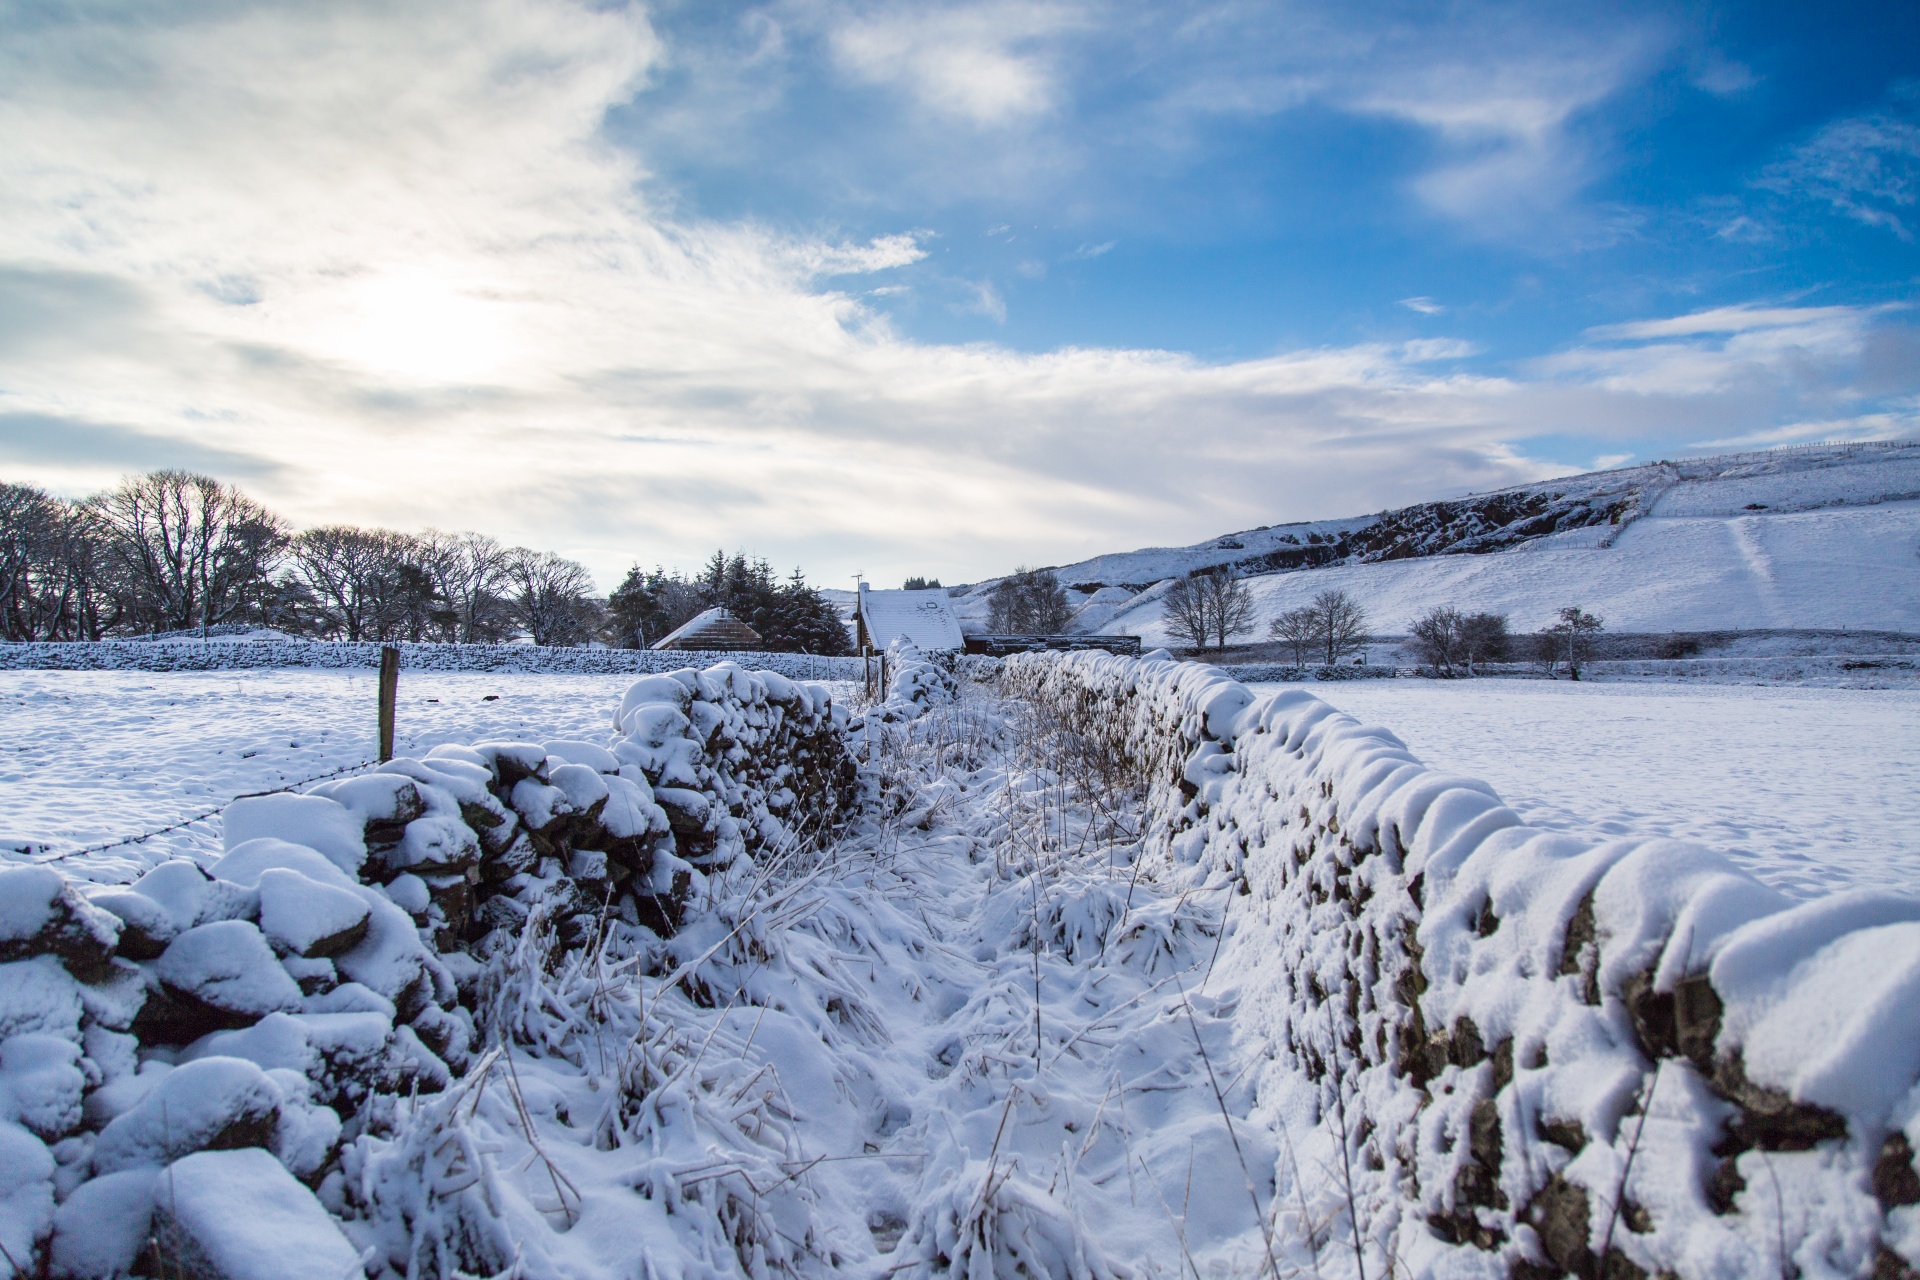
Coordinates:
174	551
1207	608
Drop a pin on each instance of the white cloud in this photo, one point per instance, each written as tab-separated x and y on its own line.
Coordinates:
1425	306
978	63
1738	319
983	300
382	264
1504	120
1088	251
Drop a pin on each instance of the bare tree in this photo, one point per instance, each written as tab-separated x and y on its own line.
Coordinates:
1186	609
1340	625
1230	602
470	574
1029	602
343	565
1570	638
1436	638
553	597
1298	629
1483	638
195	551
1208	607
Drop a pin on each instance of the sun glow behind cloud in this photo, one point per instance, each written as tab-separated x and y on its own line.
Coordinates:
384	264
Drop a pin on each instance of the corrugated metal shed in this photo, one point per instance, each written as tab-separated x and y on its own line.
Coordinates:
713	629
925	618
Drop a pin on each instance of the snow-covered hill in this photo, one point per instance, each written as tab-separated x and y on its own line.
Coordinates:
1823	537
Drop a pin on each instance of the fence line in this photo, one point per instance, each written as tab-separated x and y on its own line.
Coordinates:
184	823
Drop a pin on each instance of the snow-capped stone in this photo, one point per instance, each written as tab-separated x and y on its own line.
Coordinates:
26	1190
512	761
102	1226
41	1084
584	787
382	801
211	1104
228	967
311	820
597	758
307	918
146	927
239	1215
539	806
40	914
244	863
39	995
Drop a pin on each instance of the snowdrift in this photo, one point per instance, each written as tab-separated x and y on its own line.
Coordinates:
177	1054
1495	1050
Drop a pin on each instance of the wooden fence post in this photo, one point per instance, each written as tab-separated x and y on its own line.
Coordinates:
389	691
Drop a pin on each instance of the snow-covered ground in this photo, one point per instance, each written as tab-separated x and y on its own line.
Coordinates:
91	756
1811	789
1026	1016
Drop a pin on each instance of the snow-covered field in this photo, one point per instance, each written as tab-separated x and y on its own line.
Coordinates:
1811	789
92	756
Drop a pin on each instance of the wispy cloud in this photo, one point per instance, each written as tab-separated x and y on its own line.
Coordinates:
1086	251
1865	166
1425	306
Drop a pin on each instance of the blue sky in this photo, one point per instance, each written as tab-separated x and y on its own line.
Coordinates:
941	287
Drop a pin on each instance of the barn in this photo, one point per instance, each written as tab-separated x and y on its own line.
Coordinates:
713	629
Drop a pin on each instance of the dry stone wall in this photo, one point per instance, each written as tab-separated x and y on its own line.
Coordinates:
1499	1050
204	1031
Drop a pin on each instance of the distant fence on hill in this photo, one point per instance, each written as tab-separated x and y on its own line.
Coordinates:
237	655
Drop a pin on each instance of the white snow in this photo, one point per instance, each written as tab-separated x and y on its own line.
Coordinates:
307	917
1810	790
242	1216
311	820
229	966
207	1103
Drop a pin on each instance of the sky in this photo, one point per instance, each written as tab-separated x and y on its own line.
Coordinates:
940	288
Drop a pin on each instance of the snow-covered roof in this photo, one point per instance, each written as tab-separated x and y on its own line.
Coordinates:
925	618
712	629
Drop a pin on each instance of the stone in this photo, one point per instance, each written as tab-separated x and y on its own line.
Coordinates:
239	1215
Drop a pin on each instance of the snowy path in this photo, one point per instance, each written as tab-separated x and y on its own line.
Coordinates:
1810	789
955	1066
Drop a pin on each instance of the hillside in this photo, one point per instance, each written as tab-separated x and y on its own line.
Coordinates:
1821	536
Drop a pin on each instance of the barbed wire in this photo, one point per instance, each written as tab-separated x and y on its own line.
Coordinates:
184	823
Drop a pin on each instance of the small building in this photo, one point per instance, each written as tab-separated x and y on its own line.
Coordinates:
925	619
713	629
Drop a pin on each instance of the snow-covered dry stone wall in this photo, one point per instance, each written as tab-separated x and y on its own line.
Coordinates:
218	1071
1491	1050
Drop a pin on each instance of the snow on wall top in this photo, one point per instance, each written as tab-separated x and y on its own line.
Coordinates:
924	618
